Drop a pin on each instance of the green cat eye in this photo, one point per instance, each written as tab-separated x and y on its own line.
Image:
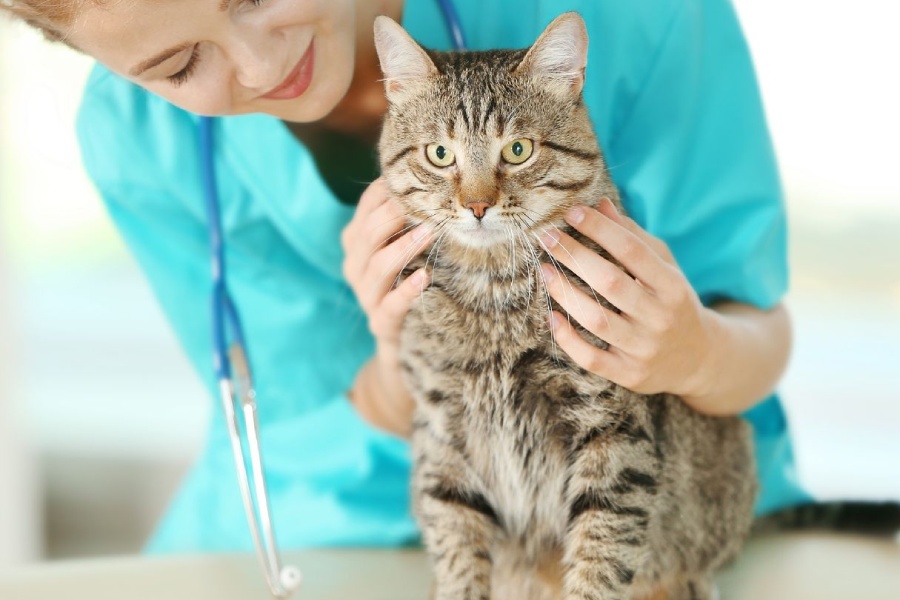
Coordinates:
439	155
517	151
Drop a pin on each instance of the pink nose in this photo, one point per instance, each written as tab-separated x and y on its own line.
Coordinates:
478	208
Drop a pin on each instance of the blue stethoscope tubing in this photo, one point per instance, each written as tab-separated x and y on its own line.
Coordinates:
232	371
451	18
232	367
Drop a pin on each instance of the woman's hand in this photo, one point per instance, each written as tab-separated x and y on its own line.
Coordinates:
664	340
377	246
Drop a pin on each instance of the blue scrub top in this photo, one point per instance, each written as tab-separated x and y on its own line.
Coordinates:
674	101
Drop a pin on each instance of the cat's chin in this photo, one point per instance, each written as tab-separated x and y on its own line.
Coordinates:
481	237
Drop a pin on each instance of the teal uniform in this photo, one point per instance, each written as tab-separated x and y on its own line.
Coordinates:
674	101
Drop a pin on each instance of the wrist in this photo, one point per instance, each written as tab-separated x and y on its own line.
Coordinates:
700	390
380	396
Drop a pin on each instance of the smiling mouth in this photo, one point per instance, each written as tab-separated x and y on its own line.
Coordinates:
298	79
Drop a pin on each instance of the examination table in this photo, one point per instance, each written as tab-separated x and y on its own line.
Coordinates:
808	566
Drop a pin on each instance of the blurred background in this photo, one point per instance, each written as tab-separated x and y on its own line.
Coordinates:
100	413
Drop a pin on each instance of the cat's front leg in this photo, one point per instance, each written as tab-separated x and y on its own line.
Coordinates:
611	505
459	528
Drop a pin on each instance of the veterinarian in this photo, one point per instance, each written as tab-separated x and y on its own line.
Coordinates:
674	100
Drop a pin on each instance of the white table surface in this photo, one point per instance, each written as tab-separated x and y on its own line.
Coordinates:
795	567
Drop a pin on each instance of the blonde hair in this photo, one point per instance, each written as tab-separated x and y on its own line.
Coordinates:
52	17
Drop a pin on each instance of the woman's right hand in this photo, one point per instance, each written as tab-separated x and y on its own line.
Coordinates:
377	246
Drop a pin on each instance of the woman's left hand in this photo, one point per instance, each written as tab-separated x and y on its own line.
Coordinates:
663	336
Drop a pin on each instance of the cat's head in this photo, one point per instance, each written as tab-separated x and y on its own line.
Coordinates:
489	147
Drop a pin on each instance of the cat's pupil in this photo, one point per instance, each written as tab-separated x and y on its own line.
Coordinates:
441	152
517	148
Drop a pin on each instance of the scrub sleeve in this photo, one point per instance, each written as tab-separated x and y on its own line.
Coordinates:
673	98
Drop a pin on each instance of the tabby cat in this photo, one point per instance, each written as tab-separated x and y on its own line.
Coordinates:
535	479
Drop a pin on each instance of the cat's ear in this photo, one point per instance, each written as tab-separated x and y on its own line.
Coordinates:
403	61
560	54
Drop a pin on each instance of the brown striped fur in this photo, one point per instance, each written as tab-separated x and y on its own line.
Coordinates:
534	479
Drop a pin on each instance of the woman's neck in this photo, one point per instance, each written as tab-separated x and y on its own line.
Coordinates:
363	107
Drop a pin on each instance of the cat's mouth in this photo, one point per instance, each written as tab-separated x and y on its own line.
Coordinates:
492	230
481	233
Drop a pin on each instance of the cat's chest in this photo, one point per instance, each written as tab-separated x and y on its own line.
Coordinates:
520	464
477	320
490	382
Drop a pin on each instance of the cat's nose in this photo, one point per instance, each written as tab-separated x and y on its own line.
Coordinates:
478	208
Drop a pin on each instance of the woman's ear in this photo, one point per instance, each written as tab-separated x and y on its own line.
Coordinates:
403	61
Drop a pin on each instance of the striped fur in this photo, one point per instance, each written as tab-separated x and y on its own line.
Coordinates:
534	479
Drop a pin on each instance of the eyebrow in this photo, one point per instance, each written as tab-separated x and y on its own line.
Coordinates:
167	54
158	59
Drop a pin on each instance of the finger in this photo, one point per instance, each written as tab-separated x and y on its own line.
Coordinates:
605	363
386	222
624	245
379	229
386	323
609	210
601	275
383	269
376	194
602	322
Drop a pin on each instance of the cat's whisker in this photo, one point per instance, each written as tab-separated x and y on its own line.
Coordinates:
421	214
509	229
526	223
405	257
539	273
593	292
561	270
530	265
441	229
425	218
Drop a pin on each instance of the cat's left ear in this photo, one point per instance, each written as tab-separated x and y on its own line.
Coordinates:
560	54
403	61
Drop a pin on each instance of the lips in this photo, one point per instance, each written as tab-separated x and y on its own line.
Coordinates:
298	79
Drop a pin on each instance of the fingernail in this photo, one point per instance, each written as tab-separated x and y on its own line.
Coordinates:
575	216
420	232
550	238
548	271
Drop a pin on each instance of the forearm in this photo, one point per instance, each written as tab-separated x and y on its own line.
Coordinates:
381	397
748	354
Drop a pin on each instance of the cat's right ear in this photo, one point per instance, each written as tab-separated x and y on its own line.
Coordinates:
403	61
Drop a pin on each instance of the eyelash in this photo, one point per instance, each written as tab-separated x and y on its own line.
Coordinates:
184	74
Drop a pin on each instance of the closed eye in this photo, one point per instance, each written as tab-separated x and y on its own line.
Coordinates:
184	74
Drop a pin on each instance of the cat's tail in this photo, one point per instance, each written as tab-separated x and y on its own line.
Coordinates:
868	518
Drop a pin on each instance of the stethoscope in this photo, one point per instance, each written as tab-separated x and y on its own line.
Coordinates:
232	369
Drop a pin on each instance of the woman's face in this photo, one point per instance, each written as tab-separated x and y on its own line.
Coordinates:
293	59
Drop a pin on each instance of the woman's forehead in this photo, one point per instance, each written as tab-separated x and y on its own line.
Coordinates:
121	32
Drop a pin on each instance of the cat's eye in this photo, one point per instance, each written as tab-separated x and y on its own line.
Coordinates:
517	151
440	155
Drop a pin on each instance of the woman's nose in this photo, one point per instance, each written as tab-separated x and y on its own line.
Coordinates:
258	65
